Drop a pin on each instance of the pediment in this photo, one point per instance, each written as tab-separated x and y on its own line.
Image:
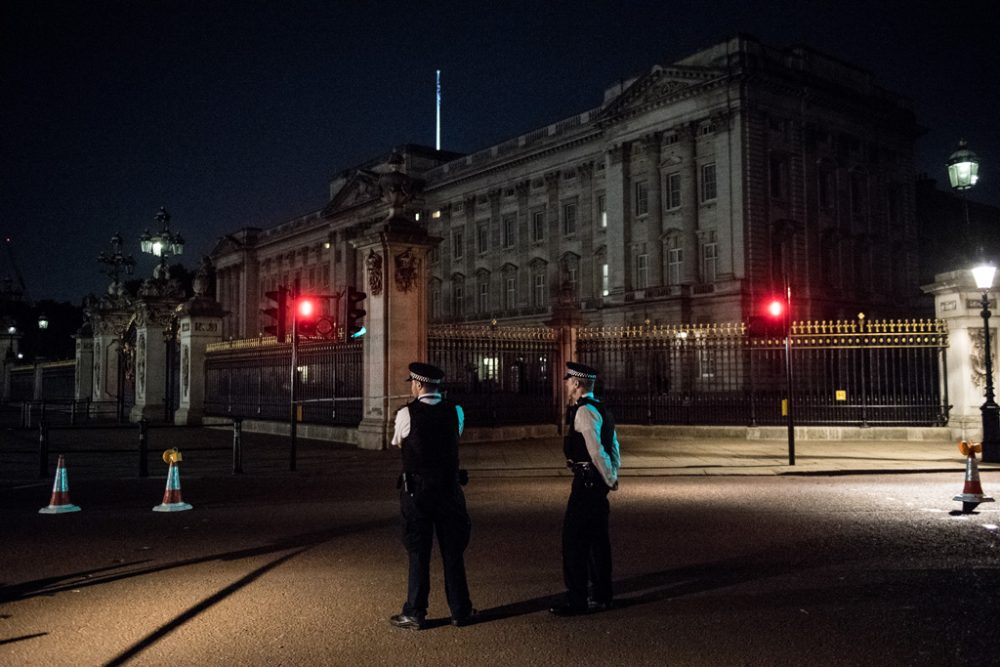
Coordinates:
361	188
660	85
226	245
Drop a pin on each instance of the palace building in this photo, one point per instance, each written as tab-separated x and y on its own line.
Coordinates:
692	193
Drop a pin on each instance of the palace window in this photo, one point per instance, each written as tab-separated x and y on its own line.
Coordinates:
538	226
510	293
602	211
641	269
641	198
710	258
605	280
509	230
673	190
484	295
569	219
675	260
708	187
539	291
483	237
458	300
436	299
456	244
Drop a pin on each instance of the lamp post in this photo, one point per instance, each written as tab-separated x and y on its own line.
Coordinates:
983	275
164	244
963	173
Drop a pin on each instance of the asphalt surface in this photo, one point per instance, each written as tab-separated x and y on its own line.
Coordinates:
279	568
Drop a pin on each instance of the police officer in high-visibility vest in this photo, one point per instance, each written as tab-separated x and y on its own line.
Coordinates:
427	430
592	453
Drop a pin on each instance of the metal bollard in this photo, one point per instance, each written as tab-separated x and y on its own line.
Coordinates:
237	446
143	447
43	450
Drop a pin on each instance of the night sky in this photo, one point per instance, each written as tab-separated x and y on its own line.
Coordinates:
237	113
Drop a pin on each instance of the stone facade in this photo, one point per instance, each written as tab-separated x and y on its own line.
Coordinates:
687	196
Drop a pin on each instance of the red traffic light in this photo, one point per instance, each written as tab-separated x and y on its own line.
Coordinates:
306	309
776	308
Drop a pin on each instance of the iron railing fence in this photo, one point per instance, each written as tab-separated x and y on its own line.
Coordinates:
499	375
58	381
845	373
251	379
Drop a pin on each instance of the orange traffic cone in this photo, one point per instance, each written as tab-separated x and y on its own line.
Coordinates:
59	502
172	495
972	493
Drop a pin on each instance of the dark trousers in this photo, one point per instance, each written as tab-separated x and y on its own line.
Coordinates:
586	544
439	509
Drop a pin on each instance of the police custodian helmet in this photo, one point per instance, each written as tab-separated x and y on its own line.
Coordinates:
425	373
582	371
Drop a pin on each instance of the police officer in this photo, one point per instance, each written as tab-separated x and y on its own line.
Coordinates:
431	498
591	448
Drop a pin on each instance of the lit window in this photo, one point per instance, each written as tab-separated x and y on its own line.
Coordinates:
436	214
602	210
605	281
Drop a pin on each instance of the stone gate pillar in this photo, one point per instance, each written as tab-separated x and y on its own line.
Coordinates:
566	320
958	302
199	324
395	271
395	278
83	376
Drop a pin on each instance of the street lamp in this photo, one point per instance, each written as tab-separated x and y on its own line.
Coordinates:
163	244
963	172
983	275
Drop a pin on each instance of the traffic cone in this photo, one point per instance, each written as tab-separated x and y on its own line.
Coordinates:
172	494
972	493
59	502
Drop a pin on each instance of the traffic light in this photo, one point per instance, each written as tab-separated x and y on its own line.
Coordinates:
278	313
355	313
771	321
306	315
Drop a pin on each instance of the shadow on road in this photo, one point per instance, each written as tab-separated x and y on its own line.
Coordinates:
29	589
655	586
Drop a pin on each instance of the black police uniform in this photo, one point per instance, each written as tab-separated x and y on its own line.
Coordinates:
586	541
432	499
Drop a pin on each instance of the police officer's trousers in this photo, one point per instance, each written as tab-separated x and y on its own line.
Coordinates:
436	508
586	543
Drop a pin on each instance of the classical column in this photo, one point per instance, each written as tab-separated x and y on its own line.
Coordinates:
958	302
587	230
654	221
619	201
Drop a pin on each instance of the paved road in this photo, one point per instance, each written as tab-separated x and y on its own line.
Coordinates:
305	568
